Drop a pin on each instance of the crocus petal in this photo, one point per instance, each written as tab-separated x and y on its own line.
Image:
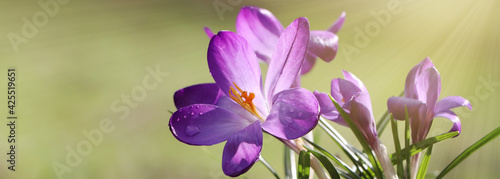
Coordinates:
205	124
450	102
294	113
209	32
327	109
454	118
396	106
207	93
242	150
348	89
410	88
308	63
428	86
324	45
335	92
337	24
361	114
231	60
288	57
261	29
353	79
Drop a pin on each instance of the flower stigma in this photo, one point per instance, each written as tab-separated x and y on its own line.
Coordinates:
244	100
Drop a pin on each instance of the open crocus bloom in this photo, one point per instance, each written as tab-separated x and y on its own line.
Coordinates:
262	30
423	85
352	95
236	108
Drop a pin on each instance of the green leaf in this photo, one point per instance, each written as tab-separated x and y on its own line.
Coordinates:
382	123
489	137
290	168
326	164
397	145
360	138
407	143
304	165
332	157
419	146
342	143
425	163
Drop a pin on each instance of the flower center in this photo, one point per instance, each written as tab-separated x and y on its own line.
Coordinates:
244	100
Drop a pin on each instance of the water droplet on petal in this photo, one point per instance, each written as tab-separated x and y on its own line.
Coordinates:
201	114
299	115
192	130
192	113
292	110
197	107
288	120
185	117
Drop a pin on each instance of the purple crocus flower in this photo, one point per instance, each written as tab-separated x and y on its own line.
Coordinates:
423	85
352	95
237	108
262	30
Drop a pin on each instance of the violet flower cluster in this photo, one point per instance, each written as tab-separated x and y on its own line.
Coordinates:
239	107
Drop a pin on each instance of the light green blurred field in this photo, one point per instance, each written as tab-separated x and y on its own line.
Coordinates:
90	53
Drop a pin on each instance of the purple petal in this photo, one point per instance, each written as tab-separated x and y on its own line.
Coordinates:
348	90
308	63
410	88
327	109
324	45
450	102
337	24
205	124
361	114
261	29
335	92
294	113
353	79
288	57
242	150
454	118
209	32
231	60
396	106
207	93
428	86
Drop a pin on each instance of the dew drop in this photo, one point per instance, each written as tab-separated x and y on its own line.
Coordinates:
292	110
192	130
289	120
185	117
201	114
299	115
192	113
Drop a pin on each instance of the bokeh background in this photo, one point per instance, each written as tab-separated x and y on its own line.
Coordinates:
91	53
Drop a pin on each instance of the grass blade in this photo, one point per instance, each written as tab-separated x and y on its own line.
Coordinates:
326	164
425	164
268	166
304	165
397	145
332	157
407	143
489	137
419	146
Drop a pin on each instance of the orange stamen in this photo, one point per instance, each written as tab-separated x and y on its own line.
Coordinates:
244	100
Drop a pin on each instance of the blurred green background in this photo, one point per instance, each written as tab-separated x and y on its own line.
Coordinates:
85	57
